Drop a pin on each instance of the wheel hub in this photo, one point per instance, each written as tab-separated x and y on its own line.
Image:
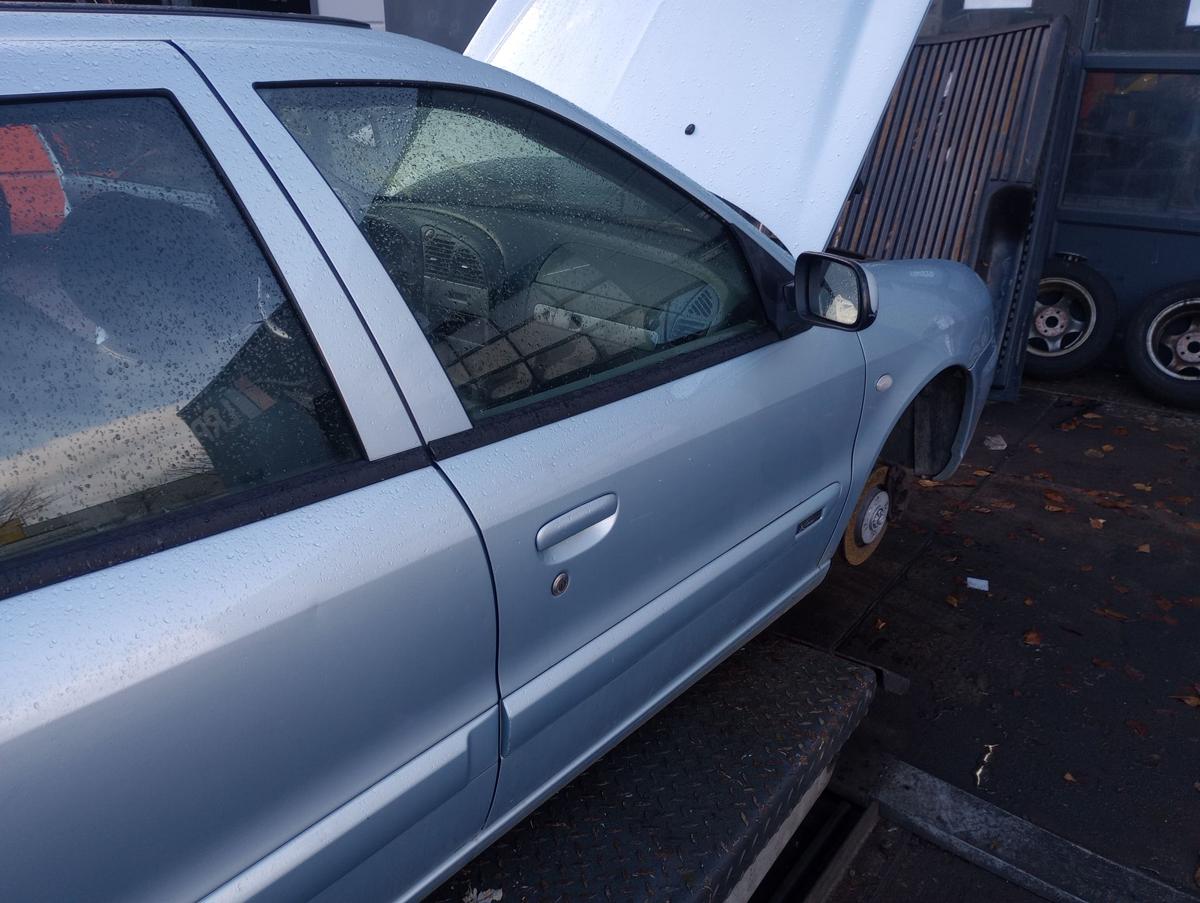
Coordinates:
874	517
1051	322
1187	348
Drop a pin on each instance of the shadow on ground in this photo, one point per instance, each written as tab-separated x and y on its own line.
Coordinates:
1081	662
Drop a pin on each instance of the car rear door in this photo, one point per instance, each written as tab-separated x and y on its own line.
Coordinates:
654	471
247	633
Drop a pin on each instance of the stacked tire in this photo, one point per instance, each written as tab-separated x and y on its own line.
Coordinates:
1075	317
1162	346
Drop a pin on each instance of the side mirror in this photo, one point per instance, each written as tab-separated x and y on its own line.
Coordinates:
833	291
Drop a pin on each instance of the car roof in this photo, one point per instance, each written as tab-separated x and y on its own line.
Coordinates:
85	21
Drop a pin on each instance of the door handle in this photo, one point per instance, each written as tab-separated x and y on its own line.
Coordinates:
577	530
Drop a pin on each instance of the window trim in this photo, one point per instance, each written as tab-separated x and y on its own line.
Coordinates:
576	401
81	555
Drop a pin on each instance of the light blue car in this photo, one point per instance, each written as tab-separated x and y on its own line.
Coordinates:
382	439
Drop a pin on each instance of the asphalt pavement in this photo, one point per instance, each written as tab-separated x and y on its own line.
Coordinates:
1078	665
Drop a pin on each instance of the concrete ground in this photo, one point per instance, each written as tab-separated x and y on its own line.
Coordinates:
1080	663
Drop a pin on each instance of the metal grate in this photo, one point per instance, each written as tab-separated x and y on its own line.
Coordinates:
955	163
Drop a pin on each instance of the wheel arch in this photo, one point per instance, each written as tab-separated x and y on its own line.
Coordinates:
929	430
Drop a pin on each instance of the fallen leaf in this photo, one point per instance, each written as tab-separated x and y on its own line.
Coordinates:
1143	487
1096	522
1107	448
1035	448
1102	663
1032	638
1043	475
1054	508
994	443
927	484
1177	446
1111	613
1144	548
1086	568
880	623
1067	425
1120	431
981	509
1051	495
1180	499
982	473
1150	429
1138	728
1120	588
1003	504
1029	601
1094	453
1164	604
1189	700
952	601
1194	524
1133	673
1070	778
1091	415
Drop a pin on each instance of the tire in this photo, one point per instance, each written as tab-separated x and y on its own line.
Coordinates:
1162	346
1073	320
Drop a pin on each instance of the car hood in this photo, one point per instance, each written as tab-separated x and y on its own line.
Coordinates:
784	95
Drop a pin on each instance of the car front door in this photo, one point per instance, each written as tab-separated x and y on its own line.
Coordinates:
247	632
654	471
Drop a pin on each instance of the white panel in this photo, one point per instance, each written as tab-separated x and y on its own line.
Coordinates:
784	94
1193	14
998	4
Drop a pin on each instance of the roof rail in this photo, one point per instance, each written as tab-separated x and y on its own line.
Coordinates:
208	11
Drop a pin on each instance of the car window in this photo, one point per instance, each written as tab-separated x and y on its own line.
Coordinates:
1137	144
536	258
151	359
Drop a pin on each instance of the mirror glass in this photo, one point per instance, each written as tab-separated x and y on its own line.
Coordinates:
834	293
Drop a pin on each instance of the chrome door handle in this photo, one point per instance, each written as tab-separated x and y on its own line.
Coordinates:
580	528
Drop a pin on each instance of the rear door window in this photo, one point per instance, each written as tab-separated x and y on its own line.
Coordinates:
151	358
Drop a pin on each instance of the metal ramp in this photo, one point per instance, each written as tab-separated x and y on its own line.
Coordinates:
698	803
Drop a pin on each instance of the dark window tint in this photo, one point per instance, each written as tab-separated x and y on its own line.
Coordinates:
1137	144
535	258
150	358
1148	25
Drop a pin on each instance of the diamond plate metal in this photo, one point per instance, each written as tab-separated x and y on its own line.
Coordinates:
680	809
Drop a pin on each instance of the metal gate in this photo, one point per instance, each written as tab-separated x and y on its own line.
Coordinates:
965	165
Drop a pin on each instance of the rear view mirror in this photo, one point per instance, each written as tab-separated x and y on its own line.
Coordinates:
833	291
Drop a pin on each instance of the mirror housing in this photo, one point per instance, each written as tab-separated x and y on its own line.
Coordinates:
833	291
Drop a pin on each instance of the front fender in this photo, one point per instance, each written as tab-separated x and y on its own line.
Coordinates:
932	315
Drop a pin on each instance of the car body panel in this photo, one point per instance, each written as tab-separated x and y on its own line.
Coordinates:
783	96
933	315
169	720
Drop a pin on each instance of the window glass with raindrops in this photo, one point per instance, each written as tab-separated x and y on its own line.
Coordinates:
149	358
536	259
